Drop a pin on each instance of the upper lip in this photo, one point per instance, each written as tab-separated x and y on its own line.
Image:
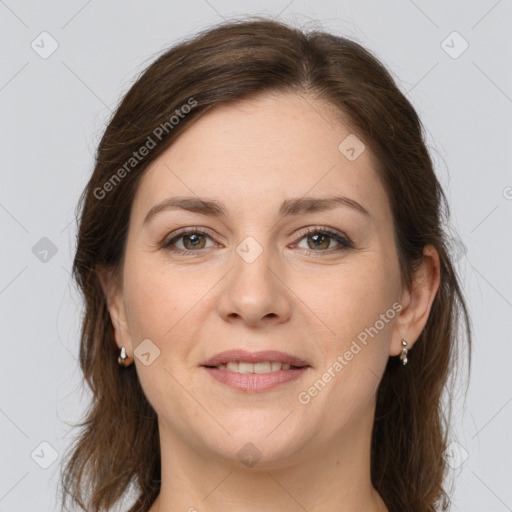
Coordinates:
253	357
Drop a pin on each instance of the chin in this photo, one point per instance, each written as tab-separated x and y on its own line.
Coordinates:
261	443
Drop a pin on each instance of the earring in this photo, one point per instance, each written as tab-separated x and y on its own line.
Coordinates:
403	355
123	359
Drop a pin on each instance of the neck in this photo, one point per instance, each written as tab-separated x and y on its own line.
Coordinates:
321	476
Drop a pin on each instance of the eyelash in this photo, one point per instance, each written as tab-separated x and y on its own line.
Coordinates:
345	242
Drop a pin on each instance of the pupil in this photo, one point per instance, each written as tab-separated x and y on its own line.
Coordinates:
318	240
192	240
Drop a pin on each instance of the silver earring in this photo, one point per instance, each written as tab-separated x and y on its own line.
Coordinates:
124	359
403	355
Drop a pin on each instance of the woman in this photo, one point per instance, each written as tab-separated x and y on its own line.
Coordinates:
271	309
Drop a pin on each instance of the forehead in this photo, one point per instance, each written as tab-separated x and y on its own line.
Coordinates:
264	149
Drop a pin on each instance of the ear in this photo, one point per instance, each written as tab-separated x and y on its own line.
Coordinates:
417	301
112	289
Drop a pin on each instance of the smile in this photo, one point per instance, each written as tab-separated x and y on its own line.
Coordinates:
262	367
254	372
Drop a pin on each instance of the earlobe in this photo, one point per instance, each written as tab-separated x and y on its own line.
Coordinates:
417	302
114	299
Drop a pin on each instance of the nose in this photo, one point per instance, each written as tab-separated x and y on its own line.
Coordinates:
254	293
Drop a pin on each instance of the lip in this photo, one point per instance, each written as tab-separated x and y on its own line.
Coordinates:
255	382
254	357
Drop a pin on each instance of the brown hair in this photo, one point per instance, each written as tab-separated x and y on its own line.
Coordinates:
118	446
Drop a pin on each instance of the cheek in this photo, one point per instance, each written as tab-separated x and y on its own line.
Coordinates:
360	307
159	306
155	298
167	305
350	300
151	308
358	310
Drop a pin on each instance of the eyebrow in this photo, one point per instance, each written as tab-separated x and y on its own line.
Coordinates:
294	206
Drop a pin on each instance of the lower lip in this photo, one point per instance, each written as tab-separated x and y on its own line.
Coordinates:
255	382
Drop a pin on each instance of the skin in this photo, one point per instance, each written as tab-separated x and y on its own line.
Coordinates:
251	156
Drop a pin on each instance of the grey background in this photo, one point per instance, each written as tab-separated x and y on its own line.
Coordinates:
53	112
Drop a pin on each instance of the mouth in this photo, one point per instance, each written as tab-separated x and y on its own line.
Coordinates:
243	361
259	368
255	371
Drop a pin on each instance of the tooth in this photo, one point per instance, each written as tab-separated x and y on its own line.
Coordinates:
246	367
260	367
233	366
263	367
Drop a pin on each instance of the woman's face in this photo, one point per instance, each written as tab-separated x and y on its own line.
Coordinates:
269	270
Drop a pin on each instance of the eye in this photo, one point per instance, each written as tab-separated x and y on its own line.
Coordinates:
318	240
189	240
321	239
